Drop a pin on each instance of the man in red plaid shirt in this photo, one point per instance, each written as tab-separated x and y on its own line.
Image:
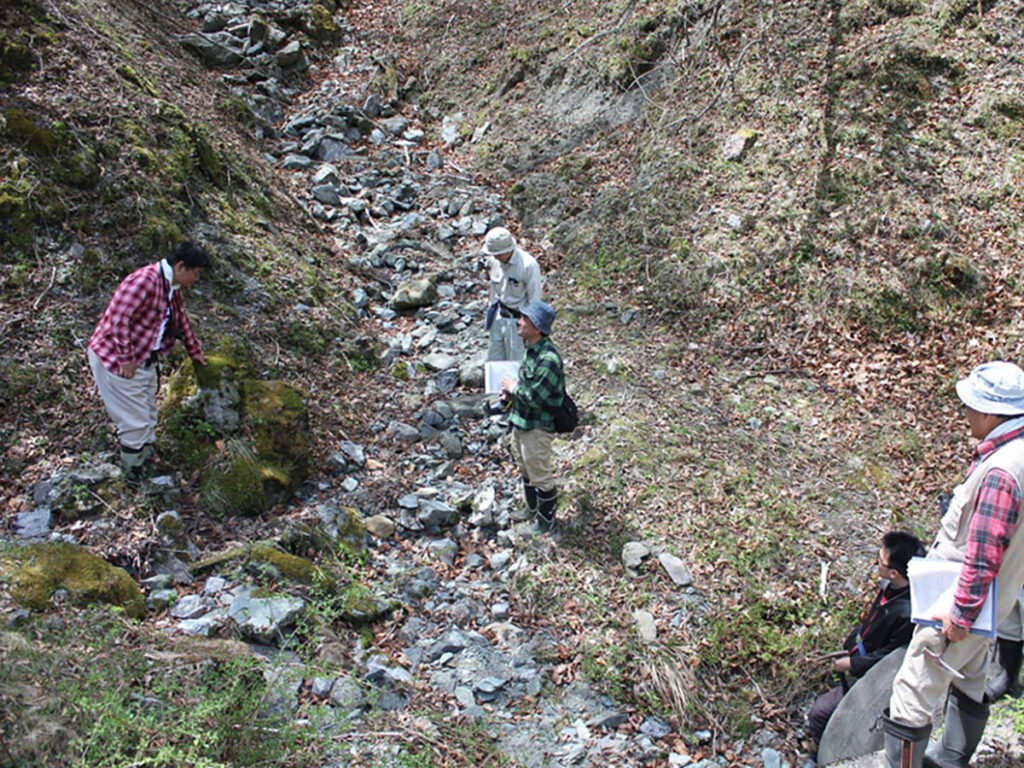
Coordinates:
142	321
980	530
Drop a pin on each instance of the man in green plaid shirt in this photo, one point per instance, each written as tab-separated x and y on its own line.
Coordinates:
533	397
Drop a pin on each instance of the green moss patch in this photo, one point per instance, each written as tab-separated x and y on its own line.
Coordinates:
31	133
277	417
36	571
232	482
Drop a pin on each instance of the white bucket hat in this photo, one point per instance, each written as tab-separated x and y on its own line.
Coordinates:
499	240
995	388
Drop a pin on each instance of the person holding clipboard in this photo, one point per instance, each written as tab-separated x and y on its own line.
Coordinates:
980	530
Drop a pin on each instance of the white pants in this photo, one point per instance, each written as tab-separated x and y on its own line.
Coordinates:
505	343
131	403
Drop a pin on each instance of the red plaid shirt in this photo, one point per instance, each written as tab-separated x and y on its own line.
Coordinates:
996	511
128	329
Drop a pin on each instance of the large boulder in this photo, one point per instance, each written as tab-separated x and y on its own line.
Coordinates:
34	572
249	439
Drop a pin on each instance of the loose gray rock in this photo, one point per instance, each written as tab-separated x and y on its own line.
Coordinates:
204	626
159	599
737	145
380	526
192	607
439	361
291	55
414	294
322	686
396	125
444	550
404	433
676	569
452	445
327	194
212	50
451	128
645	625
633	554
34	524
346	694
326	174
264	619
284	682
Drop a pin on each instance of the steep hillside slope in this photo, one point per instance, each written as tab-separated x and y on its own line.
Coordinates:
116	144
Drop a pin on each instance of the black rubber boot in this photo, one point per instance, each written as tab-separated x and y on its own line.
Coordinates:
530	498
1010	652
547	506
965	723
904	744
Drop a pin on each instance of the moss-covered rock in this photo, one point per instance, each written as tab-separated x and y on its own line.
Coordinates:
34	572
203	404
320	24
30	133
291	567
81	169
276	415
359	605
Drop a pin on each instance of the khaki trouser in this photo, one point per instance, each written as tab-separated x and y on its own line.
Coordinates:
531	449
920	687
131	403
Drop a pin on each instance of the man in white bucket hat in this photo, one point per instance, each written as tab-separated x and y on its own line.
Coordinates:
514	281
981	530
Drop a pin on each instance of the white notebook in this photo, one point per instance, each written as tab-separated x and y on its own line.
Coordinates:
495	371
932	587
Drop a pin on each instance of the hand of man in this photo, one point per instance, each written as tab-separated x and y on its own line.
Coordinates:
127	370
952	632
842	664
201	360
507	385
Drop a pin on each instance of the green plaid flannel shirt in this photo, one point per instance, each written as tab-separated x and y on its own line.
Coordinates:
540	388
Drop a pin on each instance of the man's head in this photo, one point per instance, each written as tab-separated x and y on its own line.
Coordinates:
535	320
993	393
499	243
897	549
188	261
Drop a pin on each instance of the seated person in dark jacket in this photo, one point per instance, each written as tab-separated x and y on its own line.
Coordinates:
884	628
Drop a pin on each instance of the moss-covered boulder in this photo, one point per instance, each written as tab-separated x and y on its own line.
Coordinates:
249	439
35	571
320	24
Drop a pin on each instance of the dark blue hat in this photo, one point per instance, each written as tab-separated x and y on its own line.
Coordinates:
540	314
